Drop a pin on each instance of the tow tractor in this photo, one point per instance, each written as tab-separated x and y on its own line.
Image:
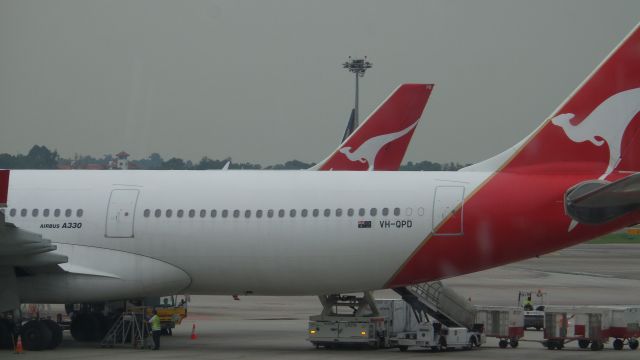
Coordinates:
533	305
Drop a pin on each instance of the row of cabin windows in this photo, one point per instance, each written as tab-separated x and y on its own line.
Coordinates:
45	212
269	213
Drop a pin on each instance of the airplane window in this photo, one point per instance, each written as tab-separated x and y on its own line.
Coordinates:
68	213
420	211
409	211
79	213
236	213
225	213
373	211
169	213
56	212
203	213
350	212
338	212
292	213
270	213
147	212
34	212
396	211
12	212
281	213
45	212
316	212
385	211
247	213
192	213
23	212
214	213
258	214
327	212
157	213
180	213
304	212
361	211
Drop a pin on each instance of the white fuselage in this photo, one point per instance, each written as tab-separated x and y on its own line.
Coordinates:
118	231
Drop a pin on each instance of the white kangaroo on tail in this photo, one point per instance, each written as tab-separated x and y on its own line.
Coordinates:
607	122
368	151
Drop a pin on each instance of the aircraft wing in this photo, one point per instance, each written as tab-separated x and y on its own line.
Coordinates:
600	202
20	247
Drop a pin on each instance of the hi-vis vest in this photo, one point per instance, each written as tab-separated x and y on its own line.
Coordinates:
155	323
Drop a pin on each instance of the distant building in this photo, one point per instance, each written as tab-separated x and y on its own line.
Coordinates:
121	161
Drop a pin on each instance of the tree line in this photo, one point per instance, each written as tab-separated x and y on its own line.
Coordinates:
40	157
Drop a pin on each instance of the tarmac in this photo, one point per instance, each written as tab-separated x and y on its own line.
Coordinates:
260	327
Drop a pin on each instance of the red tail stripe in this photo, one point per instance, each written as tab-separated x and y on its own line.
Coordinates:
4	187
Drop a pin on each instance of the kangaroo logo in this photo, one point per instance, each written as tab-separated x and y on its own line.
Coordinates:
607	123
368	151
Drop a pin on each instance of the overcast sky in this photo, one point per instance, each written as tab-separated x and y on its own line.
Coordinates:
261	81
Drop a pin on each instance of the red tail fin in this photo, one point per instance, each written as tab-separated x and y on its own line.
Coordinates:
4	187
382	140
596	129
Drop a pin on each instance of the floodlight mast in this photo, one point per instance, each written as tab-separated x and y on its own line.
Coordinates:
358	67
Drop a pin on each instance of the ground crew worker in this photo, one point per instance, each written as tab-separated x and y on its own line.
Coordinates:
528	306
156	327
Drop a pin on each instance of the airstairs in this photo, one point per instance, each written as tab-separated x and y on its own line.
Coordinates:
130	328
439	302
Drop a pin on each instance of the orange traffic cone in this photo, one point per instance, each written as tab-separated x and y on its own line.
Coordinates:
193	332
19	349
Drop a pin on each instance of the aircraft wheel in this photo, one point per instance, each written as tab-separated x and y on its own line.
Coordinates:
633	344
618	344
583	344
6	332
56	333
513	343
86	327
36	335
503	344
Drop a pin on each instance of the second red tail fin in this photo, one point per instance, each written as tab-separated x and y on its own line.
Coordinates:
381	141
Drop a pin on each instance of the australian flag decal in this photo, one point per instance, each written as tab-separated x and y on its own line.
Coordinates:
362	224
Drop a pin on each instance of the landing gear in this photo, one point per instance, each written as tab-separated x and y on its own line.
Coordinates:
36	335
633	343
6	334
513	343
88	327
503	344
56	333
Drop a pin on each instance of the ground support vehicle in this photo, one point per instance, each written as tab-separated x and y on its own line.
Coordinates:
348	320
436	336
504	323
363	321
625	327
589	326
533	304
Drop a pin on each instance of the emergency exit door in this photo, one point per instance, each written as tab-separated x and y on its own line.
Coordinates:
120	213
445	203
